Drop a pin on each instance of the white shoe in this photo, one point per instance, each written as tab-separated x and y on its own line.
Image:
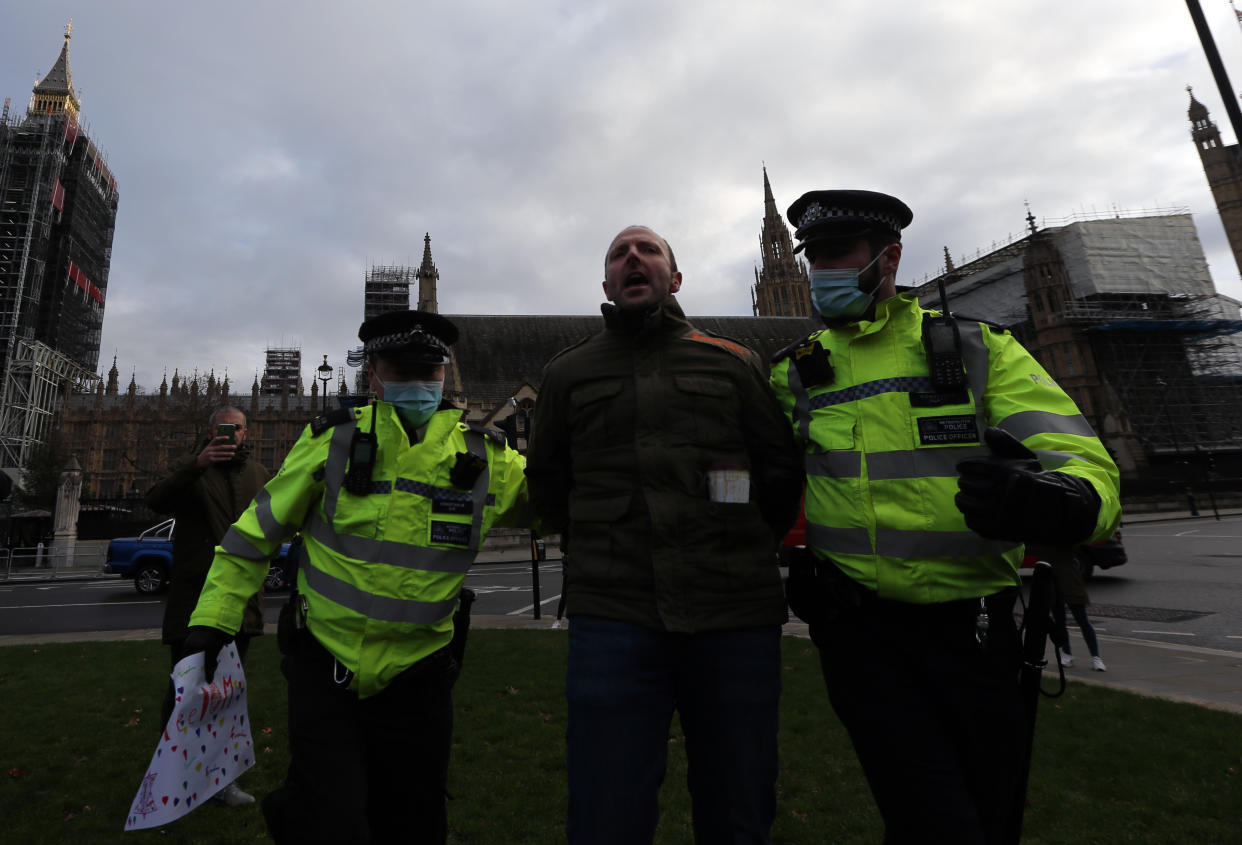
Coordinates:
1067	660
232	796
1098	665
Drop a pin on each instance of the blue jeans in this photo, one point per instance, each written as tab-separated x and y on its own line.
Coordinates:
624	682
1084	626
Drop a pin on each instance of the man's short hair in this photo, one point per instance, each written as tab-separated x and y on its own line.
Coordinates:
672	259
221	411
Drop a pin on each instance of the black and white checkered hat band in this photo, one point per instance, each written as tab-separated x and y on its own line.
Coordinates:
416	336
816	213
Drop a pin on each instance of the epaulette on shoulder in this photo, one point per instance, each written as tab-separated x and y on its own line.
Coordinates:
492	434
728	344
323	422
996	327
797	344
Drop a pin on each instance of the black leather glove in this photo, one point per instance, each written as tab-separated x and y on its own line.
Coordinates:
1006	496
209	641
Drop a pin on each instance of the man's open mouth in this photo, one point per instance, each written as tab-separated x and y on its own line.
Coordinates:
635	279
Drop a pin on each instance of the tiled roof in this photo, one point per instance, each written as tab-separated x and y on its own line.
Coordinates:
496	355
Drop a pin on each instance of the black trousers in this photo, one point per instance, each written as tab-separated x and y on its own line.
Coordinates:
935	718
177	652
371	770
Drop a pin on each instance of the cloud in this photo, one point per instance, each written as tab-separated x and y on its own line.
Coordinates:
267	154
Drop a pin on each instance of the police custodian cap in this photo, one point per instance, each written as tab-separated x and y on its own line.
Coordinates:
817	215
406	337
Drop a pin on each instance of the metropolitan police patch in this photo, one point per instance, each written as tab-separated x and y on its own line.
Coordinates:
450	533
937	431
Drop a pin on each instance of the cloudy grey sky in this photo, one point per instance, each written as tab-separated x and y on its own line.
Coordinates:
268	152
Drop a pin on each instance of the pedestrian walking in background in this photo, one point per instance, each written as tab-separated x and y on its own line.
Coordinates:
1072	592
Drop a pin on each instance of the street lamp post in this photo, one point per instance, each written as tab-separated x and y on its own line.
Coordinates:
325	376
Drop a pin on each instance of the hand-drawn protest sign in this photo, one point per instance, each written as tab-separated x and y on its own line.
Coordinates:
206	744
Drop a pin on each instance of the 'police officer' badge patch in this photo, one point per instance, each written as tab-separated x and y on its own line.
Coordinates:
450	533
938	431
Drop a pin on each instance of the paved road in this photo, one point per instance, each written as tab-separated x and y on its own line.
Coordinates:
1182	584
69	605
1166	629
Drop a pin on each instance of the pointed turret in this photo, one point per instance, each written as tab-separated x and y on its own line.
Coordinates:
1221	169
113	379
55	94
428	276
1203	129
781	285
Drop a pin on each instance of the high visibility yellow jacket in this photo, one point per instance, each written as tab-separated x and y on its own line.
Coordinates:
380	572
882	445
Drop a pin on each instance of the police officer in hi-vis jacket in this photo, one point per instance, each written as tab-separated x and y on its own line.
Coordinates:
934	448
393	501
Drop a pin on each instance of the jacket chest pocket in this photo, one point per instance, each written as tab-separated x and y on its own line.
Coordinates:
596	414
705	409
361	516
832	428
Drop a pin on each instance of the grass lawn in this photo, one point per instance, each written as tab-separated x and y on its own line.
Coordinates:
80	726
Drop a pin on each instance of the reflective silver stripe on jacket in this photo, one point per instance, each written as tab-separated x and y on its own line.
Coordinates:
905	544
802	404
235	544
371	606
842	541
975	362
391	552
1024	424
910	544
273	530
334	467
476	447
1051	459
919	463
834	464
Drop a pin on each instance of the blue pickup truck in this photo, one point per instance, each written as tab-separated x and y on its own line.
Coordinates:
148	559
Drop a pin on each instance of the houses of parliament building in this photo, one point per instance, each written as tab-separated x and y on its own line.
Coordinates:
125	437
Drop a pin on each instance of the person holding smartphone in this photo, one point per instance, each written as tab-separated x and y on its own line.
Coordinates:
207	490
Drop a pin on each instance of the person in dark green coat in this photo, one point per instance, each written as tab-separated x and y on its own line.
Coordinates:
660	455
206	491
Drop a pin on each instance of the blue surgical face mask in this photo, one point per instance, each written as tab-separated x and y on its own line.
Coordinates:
416	401
836	295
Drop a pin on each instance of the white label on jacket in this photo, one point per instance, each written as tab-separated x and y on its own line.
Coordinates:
729	485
